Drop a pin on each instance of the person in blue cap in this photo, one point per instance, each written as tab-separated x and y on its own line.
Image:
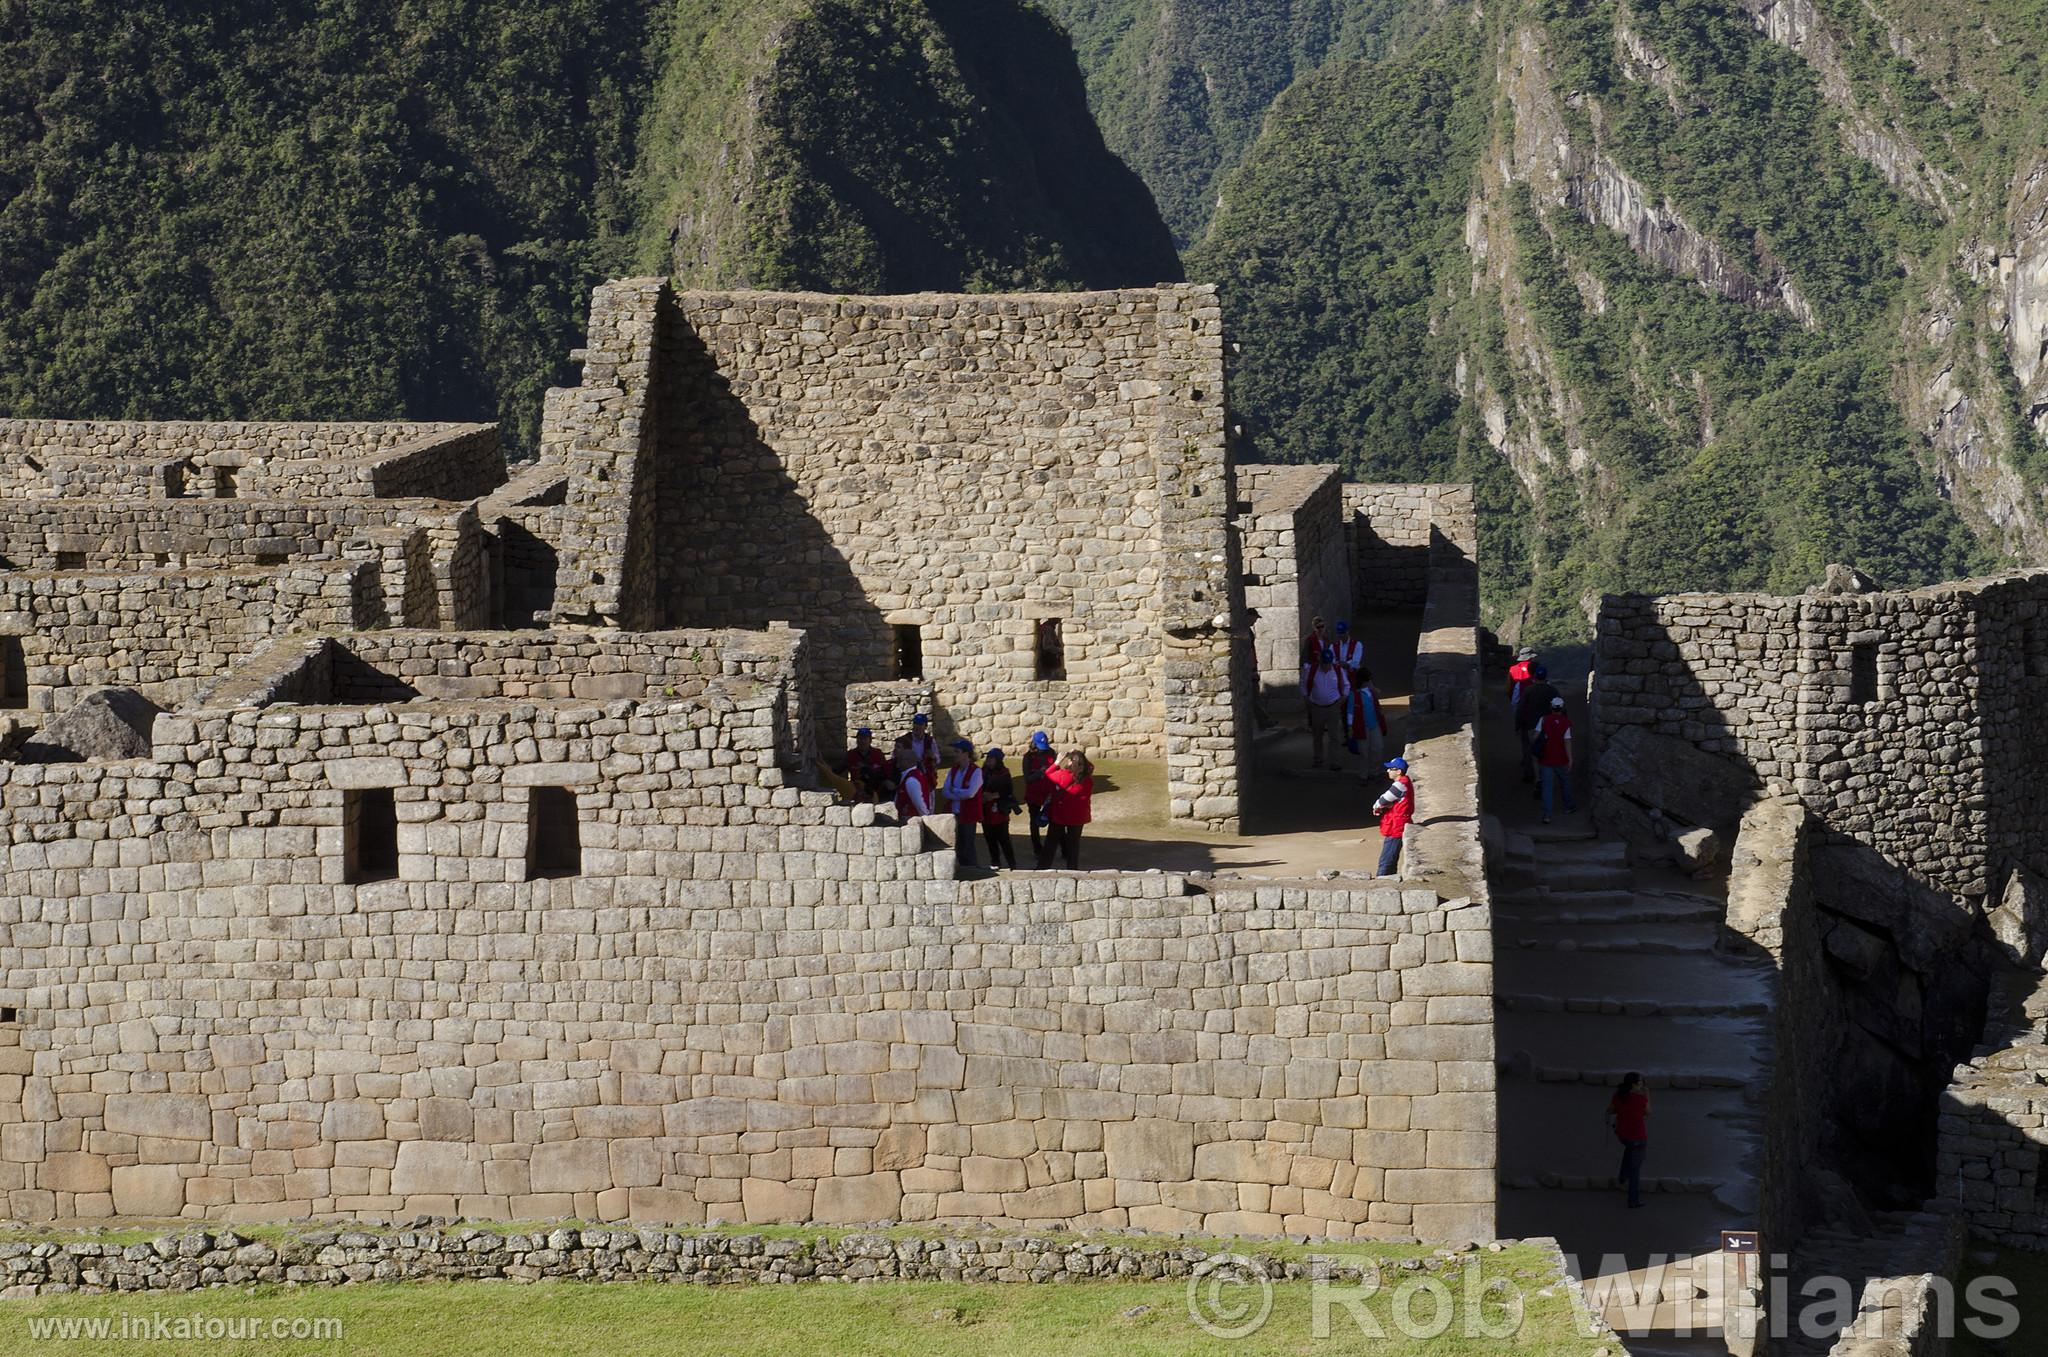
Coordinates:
916	747
1038	761
1396	807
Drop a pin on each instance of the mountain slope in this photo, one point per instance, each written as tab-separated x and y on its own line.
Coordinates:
1704	295
382	208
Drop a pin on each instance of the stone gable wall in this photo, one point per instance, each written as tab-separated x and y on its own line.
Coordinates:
969	466
202	534
1296	561
1391	529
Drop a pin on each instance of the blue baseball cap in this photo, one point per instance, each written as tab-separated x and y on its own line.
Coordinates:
1398	765
1343	627
918	719
1539	671
1329	655
863	731
994	754
1040	740
967	745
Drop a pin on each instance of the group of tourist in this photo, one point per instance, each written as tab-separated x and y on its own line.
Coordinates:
1543	730
1337	689
1056	794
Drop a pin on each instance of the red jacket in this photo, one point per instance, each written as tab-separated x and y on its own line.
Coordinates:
916	775
1557	744
1518	674
964	798
1071	798
1394	820
867	763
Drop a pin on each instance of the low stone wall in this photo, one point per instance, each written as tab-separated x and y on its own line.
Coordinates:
451	462
886	709
1993	1155
198	534
338	1257
166	633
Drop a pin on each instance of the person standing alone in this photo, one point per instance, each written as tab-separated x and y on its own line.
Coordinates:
1554	757
1325	687
1396	807
1628	1115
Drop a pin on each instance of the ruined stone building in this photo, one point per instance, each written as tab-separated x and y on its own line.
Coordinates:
463	857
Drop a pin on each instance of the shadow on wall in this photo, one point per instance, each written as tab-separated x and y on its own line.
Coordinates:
738	545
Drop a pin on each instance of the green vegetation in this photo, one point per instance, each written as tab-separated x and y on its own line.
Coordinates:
1079	1319
327	209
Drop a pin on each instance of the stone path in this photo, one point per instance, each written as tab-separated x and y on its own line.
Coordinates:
1601	969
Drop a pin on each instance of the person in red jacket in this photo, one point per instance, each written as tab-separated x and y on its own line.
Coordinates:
1396	807
1554	757
915	793
867	767
1073	789
960	797
1038	765
1518	676
1628	1115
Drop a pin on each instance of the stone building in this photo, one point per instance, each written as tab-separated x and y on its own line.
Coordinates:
472	863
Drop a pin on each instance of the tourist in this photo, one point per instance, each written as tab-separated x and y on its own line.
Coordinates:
1368	716
1325	687
1396	807
914	792
1518	674
1555	758
1069	808
1529	713
866	768
1315	643
998	804
916	746
1038	762
1351	657
1628	1116
960	797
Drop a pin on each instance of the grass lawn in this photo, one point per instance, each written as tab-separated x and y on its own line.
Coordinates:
1079	1319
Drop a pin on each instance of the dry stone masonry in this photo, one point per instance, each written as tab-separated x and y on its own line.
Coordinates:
474	867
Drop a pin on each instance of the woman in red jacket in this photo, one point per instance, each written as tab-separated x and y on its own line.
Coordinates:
1073	787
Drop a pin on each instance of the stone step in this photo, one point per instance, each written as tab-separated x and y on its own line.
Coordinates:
1732	1049
1619	908
1561	1182
1642	1008
1562	1129
1644	936
1624	977
1591	1225
1611	1076
1580	852
1583	878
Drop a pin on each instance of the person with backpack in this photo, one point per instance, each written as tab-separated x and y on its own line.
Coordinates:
1038	764
1067	809
1395	807
1518	676
1554	758
1368	717
1350	654
1628	1116
998	804
960	795
1529	713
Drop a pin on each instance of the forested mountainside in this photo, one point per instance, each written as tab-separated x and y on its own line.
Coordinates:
1703	293
312	209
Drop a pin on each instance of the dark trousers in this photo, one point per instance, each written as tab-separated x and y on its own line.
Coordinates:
1527	739
1390	857
1000	853
1061	841
963	844
1632	1169
1037	830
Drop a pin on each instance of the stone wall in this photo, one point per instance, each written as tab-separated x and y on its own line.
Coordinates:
1296	562
170	459
207	534
750	1003
1911	768
965	467
166	632
1391	529
1993	1155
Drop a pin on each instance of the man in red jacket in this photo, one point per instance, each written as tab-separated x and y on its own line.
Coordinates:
1554	758
1518	676
867	767
1396	807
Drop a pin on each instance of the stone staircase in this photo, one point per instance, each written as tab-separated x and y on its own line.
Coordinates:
1599	970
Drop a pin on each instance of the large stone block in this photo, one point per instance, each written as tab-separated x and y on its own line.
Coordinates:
572	1166
867	1197
1151	1150
170	1116
435	1167
75	1173
148	1190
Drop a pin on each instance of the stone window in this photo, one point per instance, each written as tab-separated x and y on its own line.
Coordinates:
1049	652
1863	673
13	674
909	651
10	1015
71	560
226	480
369	835
272	557
554	837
